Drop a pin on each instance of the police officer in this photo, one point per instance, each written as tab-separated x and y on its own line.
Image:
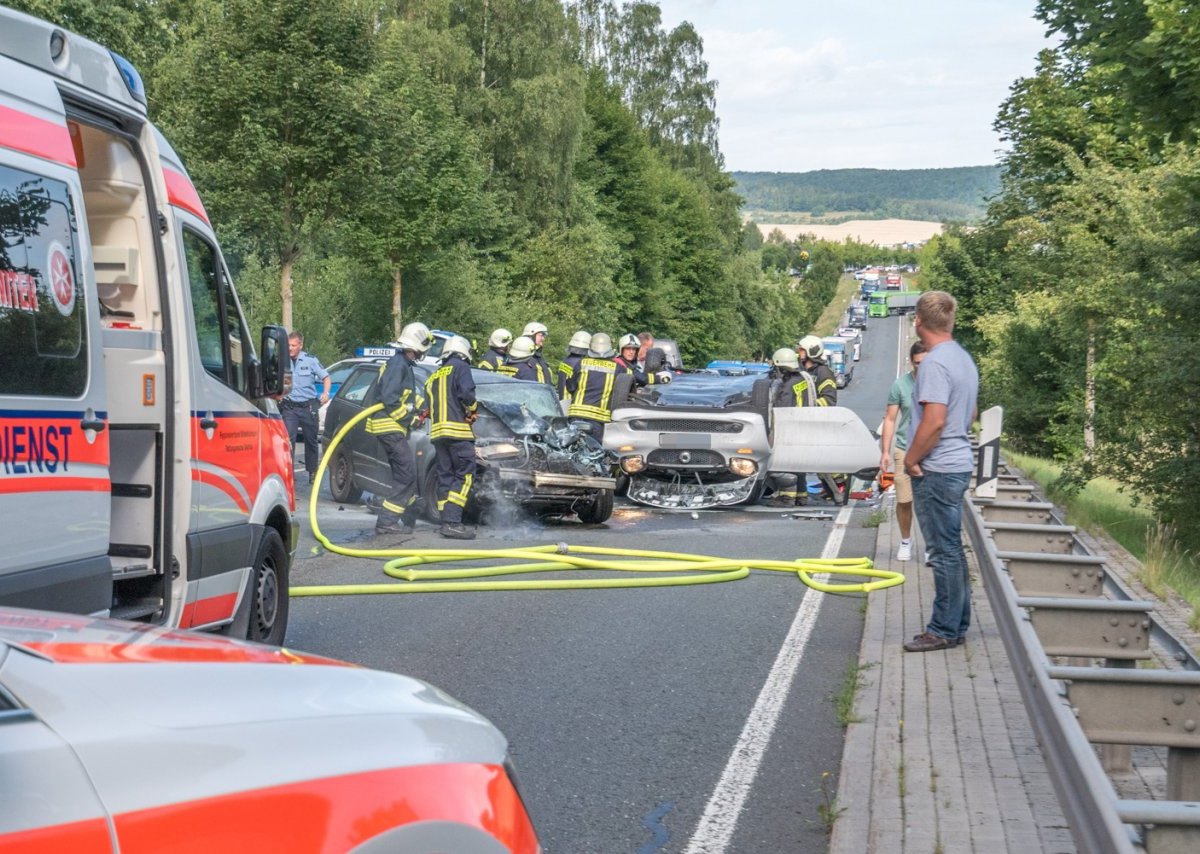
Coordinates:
792	387
536	332
453	409
525	366
301	405
496	358
569	367
591	405
403	402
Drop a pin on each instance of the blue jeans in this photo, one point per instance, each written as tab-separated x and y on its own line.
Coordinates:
938	503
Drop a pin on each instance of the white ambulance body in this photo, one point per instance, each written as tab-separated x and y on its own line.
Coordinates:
144	470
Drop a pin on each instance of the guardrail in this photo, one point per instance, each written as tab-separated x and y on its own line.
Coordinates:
1058	611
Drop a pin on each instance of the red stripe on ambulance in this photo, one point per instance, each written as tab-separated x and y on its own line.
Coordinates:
48	140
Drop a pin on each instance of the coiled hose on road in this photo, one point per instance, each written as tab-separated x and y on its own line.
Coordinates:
656	569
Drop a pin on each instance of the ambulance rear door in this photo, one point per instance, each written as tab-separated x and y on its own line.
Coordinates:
54	443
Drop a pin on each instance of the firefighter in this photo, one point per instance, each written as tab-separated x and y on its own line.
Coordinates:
453	409
628	360
521	360
536	332
823	388
568	367
810	352
793	386
591	404
496	358
403	402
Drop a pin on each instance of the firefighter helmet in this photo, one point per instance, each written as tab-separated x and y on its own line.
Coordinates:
785	357
415	337
581	340
630	340
500	339
601	346
810	346
520	349
533	328
457	345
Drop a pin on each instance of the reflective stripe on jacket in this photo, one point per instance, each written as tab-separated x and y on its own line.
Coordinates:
567	370
451	391
594	389
402	401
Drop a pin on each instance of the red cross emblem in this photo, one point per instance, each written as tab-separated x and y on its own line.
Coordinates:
62	283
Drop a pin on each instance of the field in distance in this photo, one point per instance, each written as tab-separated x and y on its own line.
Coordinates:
881	232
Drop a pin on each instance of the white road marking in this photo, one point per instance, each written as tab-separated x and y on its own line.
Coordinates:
715	829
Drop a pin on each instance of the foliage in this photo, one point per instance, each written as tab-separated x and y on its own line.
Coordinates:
1079	294
957	194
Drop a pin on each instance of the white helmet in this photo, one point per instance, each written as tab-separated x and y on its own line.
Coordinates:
533	328
520	349
811	346
500	339
785	357
601	346
630	340
457	344
416	337
581	340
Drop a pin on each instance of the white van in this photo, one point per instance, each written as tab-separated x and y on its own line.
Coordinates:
144	469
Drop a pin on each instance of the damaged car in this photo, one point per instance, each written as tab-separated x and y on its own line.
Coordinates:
700	441
527	454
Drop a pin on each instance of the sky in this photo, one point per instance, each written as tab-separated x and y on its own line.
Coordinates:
836	84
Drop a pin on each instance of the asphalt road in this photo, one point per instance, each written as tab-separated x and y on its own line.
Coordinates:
686	719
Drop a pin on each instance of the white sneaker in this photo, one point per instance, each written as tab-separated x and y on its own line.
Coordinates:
904	553
928	562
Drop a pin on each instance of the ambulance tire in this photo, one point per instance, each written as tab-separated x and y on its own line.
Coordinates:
269	591
341	479
598	510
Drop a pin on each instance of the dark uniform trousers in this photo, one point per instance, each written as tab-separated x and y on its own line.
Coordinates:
455	462
295	416
397	506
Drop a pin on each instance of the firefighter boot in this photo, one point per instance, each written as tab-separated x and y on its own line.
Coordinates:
456	531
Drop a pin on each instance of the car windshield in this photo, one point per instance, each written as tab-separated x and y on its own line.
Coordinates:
524	407
721	392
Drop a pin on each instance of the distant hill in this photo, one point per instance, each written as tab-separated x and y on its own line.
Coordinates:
958	193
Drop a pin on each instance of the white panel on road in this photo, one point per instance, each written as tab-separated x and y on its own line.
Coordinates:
822	440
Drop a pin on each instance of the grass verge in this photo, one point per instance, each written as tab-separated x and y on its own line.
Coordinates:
829	321
1101	505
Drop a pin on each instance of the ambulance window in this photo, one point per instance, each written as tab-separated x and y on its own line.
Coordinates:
43	320
220	329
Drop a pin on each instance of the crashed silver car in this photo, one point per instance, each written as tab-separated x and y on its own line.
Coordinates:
708	440
701	441
527	454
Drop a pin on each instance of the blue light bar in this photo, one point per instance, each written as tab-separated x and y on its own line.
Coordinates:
133	80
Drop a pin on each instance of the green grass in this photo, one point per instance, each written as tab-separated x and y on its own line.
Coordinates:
1101	505
831	318
844	701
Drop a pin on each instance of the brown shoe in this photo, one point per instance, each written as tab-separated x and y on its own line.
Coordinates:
926	642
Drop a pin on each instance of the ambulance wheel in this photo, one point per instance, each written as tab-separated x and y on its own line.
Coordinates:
598	510
341	479
269	591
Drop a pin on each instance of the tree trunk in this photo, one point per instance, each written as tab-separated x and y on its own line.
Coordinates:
1089	396
483	49
285	293
397	303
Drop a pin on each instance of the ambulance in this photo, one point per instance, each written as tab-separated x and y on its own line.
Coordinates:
145	471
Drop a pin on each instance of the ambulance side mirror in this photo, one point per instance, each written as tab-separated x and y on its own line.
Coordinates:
273	369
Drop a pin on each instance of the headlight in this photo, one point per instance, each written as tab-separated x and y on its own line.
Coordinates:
633	465
743	467
496	451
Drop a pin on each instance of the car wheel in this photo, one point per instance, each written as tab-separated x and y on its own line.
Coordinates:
269	591
760	397
341	479
598	510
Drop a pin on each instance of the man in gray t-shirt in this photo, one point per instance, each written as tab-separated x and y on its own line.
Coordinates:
940	463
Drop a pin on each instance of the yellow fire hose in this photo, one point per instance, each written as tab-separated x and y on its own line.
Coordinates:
664	569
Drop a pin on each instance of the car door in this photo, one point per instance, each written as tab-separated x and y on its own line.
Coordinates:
55	483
